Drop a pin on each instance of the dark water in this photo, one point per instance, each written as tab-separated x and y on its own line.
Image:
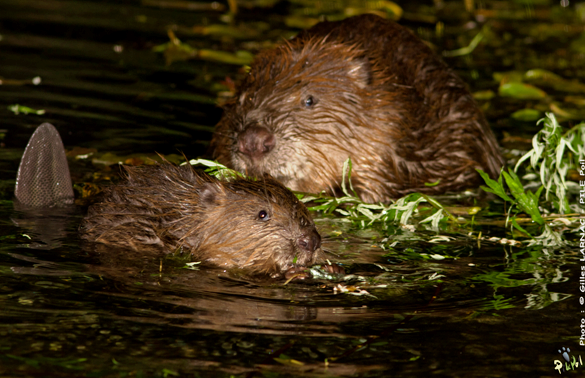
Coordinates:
489	310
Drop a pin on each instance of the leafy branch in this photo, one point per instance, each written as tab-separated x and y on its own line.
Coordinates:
365	214
551	157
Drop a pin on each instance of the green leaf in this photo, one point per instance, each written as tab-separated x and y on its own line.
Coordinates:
517	226
484	95
527	155
521	91
527	202
514	183
435	218
405	206
167	372
17	109
347	172
496	187
549	79
433	183
216	169
509	77
526	115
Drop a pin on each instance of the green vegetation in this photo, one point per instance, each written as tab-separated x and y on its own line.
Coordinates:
552	156
547	164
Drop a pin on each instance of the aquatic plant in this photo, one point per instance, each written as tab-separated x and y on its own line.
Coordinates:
552	156
216	169
364	215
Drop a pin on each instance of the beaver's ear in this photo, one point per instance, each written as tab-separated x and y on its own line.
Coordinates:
360	71
209	194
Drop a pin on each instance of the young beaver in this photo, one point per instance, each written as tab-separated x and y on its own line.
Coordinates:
365	88
257	225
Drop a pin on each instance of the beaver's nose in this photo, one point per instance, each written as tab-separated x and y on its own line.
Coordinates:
310	241
256	141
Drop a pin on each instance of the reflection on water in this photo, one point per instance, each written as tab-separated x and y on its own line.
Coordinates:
47	225
68	310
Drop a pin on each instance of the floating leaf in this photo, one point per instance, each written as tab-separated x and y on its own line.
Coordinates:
244	31
521	91
547	78
288	361
175	50
17	109
239	58
386	9
300	22
576	100
509	77
568	113
540	74
484	95
526	115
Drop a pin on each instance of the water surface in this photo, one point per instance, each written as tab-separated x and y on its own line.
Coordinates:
486	309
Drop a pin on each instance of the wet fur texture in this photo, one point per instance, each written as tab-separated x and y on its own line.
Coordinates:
165	208
376	93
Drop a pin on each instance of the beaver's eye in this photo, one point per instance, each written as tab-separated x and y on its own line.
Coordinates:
263	215
310	101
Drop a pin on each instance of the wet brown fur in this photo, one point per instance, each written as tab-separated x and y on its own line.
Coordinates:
165	208
382	97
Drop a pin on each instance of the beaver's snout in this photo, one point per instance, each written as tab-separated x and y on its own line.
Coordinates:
309	241
256	141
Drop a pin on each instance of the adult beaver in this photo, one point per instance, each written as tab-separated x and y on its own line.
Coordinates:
365	88
257	225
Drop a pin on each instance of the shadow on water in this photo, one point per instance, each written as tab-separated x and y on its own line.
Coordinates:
65	310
